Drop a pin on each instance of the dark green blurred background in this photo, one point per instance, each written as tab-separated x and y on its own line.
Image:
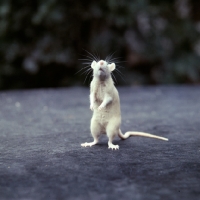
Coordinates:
41	42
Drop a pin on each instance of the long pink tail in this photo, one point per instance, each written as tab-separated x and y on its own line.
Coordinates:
128	134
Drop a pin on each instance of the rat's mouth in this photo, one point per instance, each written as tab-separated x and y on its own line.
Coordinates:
100	69
102	74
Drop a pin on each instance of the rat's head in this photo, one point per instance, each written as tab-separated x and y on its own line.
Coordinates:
102	69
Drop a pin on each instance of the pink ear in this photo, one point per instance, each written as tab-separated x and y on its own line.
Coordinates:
93	64
111	67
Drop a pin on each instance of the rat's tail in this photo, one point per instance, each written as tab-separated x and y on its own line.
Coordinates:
128	134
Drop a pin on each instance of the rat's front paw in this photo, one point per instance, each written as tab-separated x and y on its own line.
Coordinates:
91	107
100	107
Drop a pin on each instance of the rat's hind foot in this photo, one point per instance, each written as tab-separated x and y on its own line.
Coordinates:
88	144
112	146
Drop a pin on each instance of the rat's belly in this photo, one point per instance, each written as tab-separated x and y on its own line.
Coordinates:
105	116
102	116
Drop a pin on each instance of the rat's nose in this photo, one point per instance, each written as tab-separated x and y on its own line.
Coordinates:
101	62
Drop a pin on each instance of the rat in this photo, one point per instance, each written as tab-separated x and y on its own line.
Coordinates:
105	104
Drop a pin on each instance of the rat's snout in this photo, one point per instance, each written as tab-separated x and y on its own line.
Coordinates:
101	62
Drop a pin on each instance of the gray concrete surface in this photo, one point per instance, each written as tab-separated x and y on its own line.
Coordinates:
41	157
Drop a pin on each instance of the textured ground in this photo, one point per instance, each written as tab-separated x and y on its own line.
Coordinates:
41	157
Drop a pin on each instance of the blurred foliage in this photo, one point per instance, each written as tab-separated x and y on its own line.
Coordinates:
41	41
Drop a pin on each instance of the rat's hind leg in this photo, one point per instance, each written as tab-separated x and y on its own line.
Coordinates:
111	133
89	144
111	145
95	131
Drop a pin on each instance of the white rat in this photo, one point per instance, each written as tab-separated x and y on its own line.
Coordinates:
105	104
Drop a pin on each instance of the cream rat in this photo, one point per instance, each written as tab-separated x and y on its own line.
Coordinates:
105	104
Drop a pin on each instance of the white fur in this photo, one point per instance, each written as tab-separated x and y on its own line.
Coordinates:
105	104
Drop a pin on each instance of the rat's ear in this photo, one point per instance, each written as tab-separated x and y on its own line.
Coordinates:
93	64
111	67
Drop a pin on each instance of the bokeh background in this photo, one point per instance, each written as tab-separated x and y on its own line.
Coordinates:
154	41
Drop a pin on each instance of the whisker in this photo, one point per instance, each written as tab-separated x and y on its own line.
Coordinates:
119	61
110	56
87	76
97	55
86	59
91	55
115	59
120	74
91	77
88	63
86	71
106	59
115	80
82	69
89	58
119	71
118	67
